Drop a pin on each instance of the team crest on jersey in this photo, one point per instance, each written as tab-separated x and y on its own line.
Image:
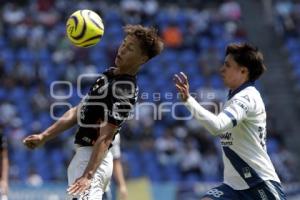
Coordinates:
246	97
247	172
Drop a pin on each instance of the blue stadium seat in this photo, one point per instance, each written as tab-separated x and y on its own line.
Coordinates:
133	161
292	44
25	55
7	54
159	129
272	146
216	82
151	168
171	172
113	17
3	42
294	58
44	55
192	178
204	42
188	56
3	93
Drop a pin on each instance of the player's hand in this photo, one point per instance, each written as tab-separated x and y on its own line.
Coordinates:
182	85
79	186
123	192
4	187
34	141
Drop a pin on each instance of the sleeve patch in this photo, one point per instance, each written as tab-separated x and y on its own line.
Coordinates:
241	104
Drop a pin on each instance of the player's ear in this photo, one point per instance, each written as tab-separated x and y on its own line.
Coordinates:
244	70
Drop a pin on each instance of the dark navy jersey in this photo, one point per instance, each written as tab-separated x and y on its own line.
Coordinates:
110	100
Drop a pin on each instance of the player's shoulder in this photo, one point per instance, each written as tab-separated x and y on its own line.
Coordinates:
249	97
248	94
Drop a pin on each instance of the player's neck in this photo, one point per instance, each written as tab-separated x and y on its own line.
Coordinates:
126	70
239	85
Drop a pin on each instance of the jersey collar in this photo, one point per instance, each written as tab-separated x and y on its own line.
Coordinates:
110	74
240	88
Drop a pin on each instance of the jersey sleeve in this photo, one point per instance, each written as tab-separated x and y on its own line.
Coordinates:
225	120
237	110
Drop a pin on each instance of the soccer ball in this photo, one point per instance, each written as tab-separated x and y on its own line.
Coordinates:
84	28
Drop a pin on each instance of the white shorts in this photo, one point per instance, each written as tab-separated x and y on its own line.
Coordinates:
101	177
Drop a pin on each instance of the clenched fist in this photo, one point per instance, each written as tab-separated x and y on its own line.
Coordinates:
34	141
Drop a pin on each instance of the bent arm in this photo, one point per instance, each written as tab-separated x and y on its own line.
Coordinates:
215	124
100	148
68	120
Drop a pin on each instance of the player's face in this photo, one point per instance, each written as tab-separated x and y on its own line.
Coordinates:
130	53
232	73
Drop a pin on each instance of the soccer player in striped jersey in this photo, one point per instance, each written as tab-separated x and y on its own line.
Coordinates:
241	126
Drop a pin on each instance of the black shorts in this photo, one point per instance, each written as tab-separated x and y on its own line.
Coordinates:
267	190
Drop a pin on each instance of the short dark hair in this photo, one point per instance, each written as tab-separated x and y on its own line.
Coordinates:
248	56
150	43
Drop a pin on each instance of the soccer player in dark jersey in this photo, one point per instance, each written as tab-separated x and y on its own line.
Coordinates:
101	114
4	165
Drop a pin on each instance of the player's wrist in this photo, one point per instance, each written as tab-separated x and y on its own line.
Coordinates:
88	175
123	187
45	136
186	97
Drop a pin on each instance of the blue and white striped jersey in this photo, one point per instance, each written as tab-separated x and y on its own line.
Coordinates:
242	128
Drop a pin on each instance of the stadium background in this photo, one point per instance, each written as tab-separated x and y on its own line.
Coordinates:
163	158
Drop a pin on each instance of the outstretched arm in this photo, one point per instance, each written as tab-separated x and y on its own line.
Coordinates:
215	124
68	120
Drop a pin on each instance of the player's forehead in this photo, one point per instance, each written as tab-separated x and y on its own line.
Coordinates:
131	40
229	59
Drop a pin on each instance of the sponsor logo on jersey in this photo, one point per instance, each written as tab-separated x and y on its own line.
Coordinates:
226	139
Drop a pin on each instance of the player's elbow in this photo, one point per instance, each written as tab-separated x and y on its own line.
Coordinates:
108	140
105	140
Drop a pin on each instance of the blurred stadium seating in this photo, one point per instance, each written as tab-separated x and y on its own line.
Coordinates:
35	52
